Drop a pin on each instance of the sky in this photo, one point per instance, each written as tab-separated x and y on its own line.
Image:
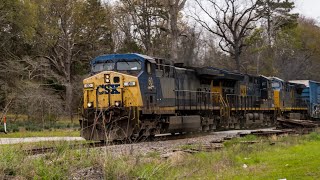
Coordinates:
308	8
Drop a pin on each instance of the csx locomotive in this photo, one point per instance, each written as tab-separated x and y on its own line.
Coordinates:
129	96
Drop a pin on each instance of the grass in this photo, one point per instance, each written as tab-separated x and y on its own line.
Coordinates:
22	122
56	165
19	126
42	144
291	157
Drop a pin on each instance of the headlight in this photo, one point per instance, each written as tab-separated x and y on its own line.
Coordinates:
90	104
107	78
117	103
89	85
132	83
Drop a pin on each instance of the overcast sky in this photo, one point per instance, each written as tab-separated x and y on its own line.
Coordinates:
308	8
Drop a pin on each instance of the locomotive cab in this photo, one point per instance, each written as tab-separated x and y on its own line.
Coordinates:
110	82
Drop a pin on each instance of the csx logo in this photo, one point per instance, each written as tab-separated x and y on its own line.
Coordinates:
106	89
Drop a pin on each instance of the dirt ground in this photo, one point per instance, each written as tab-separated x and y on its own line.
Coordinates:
168	146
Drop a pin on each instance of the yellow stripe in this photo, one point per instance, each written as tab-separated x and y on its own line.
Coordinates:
252	109
292	108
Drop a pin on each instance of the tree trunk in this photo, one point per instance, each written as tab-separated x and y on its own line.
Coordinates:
175	6
68	85
69	97
174	34
237	60
237	54
269	29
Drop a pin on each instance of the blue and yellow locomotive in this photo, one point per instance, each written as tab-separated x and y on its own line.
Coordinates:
129	96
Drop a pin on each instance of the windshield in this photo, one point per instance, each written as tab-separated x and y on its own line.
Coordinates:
107	66
129	65
275	84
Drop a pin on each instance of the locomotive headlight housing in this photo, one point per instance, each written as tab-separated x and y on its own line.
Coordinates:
88	85
117	103
132	83
90	104
107	78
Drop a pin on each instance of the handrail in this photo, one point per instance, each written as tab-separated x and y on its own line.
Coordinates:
196	91
200	100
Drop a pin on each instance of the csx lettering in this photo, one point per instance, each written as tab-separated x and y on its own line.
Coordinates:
112	88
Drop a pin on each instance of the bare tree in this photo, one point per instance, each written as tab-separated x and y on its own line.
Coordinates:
66	37
174	8
189	45
233	21
147	21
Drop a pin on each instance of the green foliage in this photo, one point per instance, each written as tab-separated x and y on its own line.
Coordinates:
291	157
17	18
298	46
237	140
116	168
18	128
10	161
278	14
314	136
254	38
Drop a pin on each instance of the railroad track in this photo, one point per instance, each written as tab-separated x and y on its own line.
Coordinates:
165	137
43	150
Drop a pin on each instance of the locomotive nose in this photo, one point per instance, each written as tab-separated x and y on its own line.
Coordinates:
103	90
109	93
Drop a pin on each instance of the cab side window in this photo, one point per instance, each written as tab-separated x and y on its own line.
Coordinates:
167	71
149	71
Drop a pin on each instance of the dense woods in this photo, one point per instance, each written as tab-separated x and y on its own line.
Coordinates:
46	45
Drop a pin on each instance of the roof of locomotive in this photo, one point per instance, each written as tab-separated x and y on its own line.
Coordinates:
304	82
276	79
108	57
211	72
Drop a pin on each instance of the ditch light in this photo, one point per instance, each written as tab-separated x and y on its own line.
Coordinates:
89	85
132	83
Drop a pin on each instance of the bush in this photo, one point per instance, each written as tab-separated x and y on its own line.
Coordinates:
314	136
10	128
35	125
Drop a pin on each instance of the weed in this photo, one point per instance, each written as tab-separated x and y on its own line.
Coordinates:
153	154
314	136
188	146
